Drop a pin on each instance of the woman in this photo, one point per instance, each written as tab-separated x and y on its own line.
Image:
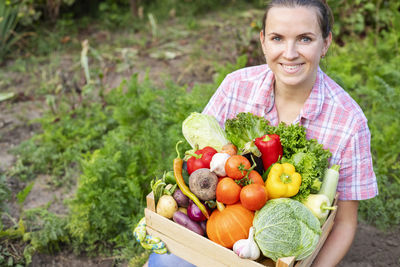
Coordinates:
291	88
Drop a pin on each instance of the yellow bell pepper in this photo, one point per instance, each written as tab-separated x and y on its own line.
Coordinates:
283	181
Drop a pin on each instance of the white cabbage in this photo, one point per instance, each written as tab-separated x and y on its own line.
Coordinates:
285	227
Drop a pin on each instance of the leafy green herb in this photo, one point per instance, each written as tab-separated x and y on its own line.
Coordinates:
157	186
21	196
308	156
243	129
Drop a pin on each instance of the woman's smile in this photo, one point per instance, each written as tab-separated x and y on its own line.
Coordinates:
291	68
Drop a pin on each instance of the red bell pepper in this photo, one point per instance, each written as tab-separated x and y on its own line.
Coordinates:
271	149
200	159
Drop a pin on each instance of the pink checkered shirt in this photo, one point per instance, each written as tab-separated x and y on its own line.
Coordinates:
330	116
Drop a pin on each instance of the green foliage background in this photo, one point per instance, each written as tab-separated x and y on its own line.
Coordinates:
116	142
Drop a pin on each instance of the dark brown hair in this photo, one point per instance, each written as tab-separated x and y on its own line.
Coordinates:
324	14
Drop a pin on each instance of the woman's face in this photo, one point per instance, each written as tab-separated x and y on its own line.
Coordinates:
293	45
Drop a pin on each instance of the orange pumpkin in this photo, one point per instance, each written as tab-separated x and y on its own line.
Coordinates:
229	225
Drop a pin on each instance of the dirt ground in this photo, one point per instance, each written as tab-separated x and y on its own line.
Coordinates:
371	246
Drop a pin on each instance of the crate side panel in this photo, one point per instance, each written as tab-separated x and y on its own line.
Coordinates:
194	241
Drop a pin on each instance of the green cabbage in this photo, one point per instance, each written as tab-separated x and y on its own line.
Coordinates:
285	227
203	130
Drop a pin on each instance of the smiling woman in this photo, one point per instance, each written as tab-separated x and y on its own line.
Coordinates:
292	89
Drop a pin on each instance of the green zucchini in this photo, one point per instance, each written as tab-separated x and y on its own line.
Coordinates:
329	183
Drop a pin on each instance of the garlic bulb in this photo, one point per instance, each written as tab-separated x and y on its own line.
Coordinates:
247	248
217	164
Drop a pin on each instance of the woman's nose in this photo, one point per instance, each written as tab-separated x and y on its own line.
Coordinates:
290	51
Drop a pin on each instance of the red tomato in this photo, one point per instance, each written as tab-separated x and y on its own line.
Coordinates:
256	178
228	192
236	165
220	178
253	196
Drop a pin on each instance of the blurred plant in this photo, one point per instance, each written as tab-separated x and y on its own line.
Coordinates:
166	8
114	13
45	231
9	256
357	18
5	194
32	10
153	25
39	229
8	22
248	43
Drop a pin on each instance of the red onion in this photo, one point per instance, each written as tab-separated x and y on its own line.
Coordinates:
195	213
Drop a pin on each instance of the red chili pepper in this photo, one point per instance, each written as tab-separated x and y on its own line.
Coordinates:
200	159
271	149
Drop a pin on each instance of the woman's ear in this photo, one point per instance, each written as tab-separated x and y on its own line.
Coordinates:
327	43
262	39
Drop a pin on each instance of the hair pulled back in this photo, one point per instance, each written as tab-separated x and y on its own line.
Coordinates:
324	14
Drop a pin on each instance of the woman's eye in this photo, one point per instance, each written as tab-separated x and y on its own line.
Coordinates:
276	38
305	39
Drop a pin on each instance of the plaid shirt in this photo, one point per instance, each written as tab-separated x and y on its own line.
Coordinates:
330	116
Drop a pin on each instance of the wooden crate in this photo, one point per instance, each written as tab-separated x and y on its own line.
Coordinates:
201	251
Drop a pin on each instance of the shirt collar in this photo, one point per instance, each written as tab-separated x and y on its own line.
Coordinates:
265	95
313	105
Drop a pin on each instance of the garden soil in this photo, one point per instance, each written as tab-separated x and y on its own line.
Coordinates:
371	247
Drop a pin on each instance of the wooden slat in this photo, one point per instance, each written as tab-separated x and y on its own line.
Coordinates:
151	205
285	262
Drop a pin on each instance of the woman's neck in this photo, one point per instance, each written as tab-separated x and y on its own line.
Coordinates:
292	95
289	100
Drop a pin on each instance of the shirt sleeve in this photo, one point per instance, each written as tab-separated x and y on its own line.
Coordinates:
357	180
218	104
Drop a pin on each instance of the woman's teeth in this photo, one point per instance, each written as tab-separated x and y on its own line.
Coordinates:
291	67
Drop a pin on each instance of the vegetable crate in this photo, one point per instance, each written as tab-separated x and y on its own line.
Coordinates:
201	251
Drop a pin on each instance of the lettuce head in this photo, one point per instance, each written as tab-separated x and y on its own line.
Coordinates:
203	130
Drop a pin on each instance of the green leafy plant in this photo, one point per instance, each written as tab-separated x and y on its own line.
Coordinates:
357	18
8	22
32	10
8	258
21	196
5	193
40	230
116	177
45	231
66	135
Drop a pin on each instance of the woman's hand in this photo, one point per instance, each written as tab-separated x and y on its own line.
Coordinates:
340	239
